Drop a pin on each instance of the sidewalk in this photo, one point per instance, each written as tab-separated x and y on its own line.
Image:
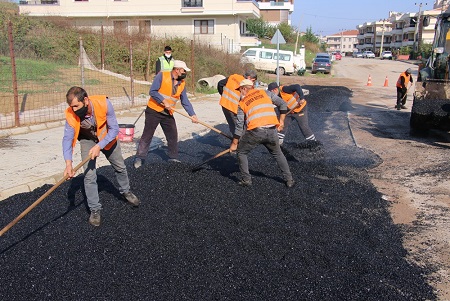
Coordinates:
32	156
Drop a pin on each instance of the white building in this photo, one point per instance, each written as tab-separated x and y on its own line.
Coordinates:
219	23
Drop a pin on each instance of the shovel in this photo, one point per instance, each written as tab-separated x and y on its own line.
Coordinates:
204	124
25	212
197	167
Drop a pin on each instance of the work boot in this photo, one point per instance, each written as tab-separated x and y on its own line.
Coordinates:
138	162
94	218
398	107
290	183
403	107
131	198
245	183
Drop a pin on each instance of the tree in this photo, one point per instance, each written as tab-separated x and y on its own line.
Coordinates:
258	27
310	37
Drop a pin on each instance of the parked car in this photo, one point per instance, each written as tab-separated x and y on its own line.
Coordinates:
266	59
337	55
321	64
368	54
357	54
386	55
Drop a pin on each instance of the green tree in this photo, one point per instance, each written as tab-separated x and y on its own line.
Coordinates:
258	27
310	37
287	31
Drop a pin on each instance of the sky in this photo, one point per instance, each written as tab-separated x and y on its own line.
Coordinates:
328	17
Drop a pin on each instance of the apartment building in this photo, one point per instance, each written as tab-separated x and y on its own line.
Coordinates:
218	23
344	41
399	30
276	11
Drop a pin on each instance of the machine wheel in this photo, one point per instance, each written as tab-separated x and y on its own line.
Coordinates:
417	125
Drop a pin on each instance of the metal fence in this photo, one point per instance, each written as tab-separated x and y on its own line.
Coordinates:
36	98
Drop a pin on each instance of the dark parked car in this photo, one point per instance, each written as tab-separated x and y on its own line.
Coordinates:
321	64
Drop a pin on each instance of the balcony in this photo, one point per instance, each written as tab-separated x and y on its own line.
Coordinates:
38	2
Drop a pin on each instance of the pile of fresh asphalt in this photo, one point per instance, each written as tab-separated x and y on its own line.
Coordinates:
200	236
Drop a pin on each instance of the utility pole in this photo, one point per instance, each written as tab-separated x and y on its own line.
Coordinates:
382	37
416	42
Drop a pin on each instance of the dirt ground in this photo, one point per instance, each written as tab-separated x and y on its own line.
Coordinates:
413	176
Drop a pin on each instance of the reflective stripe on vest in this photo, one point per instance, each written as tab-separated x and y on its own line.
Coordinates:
230	96
165	66
291	100
258	109
100	108
399	81
166	91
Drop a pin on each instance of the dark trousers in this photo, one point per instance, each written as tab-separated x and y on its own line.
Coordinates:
401	97
267	137
169	127
302	121
231	119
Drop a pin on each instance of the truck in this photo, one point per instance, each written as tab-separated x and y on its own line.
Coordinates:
431	98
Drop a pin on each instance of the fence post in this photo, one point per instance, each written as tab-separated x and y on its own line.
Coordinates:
14	75
193	66
147	72
131	73
81	62
103	50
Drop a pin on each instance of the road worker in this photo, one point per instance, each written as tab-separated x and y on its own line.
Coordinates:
404	79
165	62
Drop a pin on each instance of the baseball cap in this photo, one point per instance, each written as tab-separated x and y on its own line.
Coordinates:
180	64
245	82
409	70
272	86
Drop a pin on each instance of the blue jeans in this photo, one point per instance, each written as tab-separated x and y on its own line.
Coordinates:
114	156
267	137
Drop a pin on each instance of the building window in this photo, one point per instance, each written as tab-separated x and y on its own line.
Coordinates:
192	3
81	0
203	26
144	26
120	27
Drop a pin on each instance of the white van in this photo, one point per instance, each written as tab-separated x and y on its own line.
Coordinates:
266	59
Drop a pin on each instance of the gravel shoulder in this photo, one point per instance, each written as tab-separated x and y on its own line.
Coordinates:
413	174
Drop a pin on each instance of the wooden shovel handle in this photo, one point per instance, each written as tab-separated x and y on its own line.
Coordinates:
25	212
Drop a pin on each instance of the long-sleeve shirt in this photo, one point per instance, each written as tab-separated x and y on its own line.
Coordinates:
111	123
240	122
222	83
154	93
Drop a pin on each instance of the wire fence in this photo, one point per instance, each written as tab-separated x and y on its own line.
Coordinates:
39	94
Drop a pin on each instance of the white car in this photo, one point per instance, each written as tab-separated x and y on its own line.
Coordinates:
368	54
386	55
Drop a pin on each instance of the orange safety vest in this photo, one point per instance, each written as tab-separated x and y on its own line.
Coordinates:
230	96
100	109
399	81
292	100
258	110
166	91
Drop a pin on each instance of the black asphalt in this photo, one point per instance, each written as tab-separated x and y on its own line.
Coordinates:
199	236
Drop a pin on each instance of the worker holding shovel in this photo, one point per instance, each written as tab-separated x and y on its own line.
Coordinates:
167	89
404	79
91	120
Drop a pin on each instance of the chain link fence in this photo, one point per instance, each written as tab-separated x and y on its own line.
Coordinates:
34	92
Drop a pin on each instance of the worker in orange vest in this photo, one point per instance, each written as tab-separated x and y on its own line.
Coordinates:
91	120
256	109
404	79
294	97
167	89
230	97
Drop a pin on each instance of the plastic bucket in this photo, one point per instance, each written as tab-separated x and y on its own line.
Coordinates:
126	132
